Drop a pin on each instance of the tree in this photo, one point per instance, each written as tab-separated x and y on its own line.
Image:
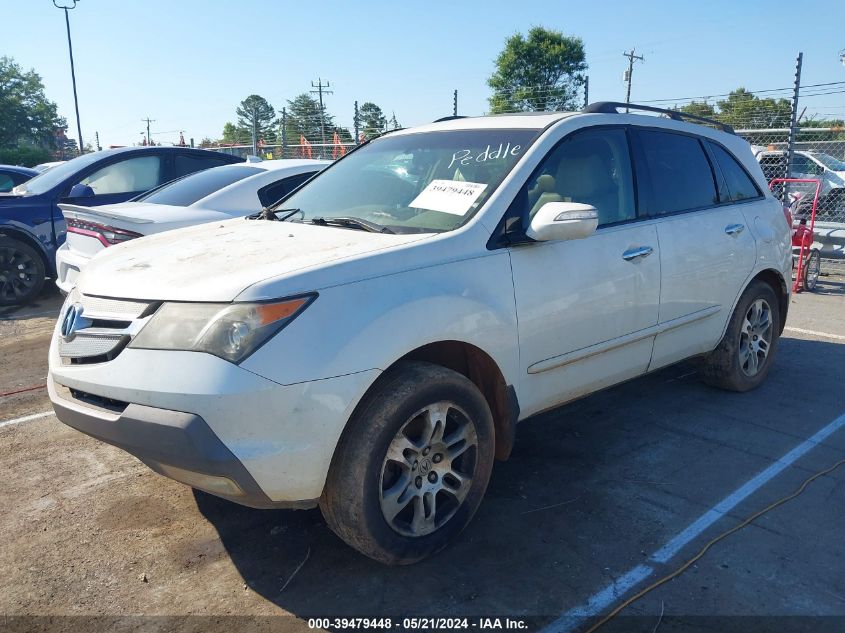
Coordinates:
303	119
372	119
394	124
699	108
27	117
231	134
543	71
257	116
743	109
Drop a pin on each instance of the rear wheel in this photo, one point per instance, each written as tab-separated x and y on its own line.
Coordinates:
742	360
812	269
21	272
412	465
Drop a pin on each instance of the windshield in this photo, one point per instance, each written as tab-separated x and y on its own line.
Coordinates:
414	183
53	176
829	161
188	190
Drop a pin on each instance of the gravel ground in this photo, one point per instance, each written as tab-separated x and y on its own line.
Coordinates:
591	490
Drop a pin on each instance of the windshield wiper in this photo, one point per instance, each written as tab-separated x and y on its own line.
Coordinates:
352	223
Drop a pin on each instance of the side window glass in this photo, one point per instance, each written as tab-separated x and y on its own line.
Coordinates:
6	183
592	167
185	164
802	165
679	173
740	185
276	191
128	176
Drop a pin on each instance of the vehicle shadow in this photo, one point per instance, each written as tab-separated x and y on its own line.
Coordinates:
48	302
591	488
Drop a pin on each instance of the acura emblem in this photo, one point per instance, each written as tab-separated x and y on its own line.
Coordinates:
73	322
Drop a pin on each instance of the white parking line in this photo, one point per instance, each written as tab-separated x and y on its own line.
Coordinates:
601	600
798	330
26	418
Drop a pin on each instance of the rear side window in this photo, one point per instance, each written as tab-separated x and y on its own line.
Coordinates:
185	164
274	192
740	185
190	189
678	172
6	182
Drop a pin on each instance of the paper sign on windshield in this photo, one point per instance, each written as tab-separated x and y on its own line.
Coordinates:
449	196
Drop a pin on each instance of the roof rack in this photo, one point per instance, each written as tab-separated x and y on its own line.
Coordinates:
449	118
611	107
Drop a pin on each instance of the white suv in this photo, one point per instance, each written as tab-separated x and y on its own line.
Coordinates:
371	344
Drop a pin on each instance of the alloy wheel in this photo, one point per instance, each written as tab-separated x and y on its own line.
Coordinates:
18	274
428	469
755	338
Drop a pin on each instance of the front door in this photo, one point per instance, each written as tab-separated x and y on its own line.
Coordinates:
586	308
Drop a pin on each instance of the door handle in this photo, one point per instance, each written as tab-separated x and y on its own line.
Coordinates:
734	229
637	252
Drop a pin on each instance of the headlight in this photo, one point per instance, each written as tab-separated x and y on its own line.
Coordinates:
231	331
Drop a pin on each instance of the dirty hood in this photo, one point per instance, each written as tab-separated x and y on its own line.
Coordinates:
217	261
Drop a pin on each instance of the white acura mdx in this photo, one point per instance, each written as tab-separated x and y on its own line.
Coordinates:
370	343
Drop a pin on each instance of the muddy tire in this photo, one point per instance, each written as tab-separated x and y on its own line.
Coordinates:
22	272
412	466
742	360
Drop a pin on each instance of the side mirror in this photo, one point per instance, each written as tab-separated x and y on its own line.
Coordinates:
563	221
81	191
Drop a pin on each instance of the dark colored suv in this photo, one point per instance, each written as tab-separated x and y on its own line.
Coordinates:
32	227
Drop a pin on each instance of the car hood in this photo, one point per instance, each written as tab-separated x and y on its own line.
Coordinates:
218	261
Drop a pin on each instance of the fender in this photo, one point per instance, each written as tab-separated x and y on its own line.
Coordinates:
24	233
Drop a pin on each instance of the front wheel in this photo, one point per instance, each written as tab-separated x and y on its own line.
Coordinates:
811	271
21	272
742	360
412	465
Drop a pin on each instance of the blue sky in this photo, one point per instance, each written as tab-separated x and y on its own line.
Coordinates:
187	63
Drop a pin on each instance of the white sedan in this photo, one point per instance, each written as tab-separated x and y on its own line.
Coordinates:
220	193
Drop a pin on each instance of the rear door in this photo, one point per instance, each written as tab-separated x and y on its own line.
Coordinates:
587	308
706	249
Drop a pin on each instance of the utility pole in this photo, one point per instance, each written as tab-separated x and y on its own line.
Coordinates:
149	138
793	125
455	104
630	73
72	71
97	141
356	123
284	130
586	91
320	89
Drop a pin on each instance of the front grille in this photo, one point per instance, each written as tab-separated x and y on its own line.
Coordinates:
103	328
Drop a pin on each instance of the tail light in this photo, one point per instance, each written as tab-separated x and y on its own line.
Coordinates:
108	235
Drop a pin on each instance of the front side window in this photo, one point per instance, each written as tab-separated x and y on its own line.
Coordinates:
591	167
134	174
803	165
414	183
679	174
740	185
188	190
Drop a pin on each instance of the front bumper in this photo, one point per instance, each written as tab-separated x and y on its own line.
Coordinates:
211	424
